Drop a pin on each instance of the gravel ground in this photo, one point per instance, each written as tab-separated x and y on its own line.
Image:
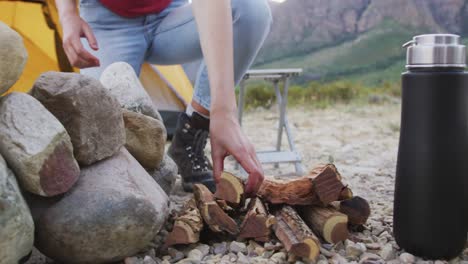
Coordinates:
362	141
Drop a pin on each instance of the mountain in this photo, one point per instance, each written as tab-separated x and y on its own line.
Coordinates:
350	38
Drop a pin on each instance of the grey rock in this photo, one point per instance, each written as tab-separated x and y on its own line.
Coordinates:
338	259
114	211
242	259
89	113
220	248
388	252
354	250
13	57
175	254
195	254
123	83
236	247
204	249
267	254
189	261
166	174
254	249
373	246
36	146
371	258
322	261
279	257
149	260
407	258
17	227
145	138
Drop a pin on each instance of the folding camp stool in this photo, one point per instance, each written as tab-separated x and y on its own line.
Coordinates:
275	76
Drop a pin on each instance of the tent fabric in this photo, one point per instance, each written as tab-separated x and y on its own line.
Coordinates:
37	22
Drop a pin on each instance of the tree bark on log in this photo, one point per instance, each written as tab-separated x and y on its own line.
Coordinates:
216	219
257	222
357	209
322	186
187	226
330	224
295	235
230	189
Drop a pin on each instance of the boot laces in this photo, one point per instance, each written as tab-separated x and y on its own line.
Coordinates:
196	152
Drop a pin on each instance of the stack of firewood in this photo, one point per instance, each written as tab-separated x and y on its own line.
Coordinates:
300	212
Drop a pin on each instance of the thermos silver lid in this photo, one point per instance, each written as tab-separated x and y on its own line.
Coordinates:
435	50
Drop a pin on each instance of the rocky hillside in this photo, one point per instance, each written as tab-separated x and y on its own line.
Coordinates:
302	27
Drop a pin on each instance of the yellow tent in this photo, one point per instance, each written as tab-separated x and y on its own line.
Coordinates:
37	22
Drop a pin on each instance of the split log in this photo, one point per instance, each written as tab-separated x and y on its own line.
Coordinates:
322	186
357	209
330	224
187	226
295	235
346	193
216	219
230	189
257	222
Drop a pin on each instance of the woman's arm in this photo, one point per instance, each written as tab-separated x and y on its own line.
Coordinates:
214	21
74	27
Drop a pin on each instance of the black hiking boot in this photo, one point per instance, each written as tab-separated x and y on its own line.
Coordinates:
188	151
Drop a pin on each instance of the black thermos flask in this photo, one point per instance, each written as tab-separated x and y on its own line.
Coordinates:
431	189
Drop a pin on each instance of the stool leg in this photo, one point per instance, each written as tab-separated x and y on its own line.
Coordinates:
280	99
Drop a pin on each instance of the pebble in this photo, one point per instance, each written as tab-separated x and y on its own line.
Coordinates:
279	257
188	261
322	261
204	249
149	260
165	261
267	254
195	254
407	258
259	260
254	249
242	259
236	247
274	247
132	260
424	262
219	248
370	258
338	259
354	250
326	252
388	252
373	246
175	254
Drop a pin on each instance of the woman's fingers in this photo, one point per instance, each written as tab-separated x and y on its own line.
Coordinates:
252	167
84	55
218	164
89	35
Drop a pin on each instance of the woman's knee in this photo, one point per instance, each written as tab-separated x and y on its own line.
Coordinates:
254	15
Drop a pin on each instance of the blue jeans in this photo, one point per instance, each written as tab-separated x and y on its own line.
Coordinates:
171	37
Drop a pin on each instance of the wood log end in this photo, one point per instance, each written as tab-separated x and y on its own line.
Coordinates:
308	248
336	229
182	233
327	184
230	188
357	209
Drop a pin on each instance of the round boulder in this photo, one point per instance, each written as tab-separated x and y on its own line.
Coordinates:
36	146
123	83
89	113
146	138
13	57
17	227
114	211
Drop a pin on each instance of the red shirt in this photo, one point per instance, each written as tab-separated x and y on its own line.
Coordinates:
134	8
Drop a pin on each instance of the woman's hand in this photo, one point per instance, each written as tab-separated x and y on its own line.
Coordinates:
227	138
74	27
